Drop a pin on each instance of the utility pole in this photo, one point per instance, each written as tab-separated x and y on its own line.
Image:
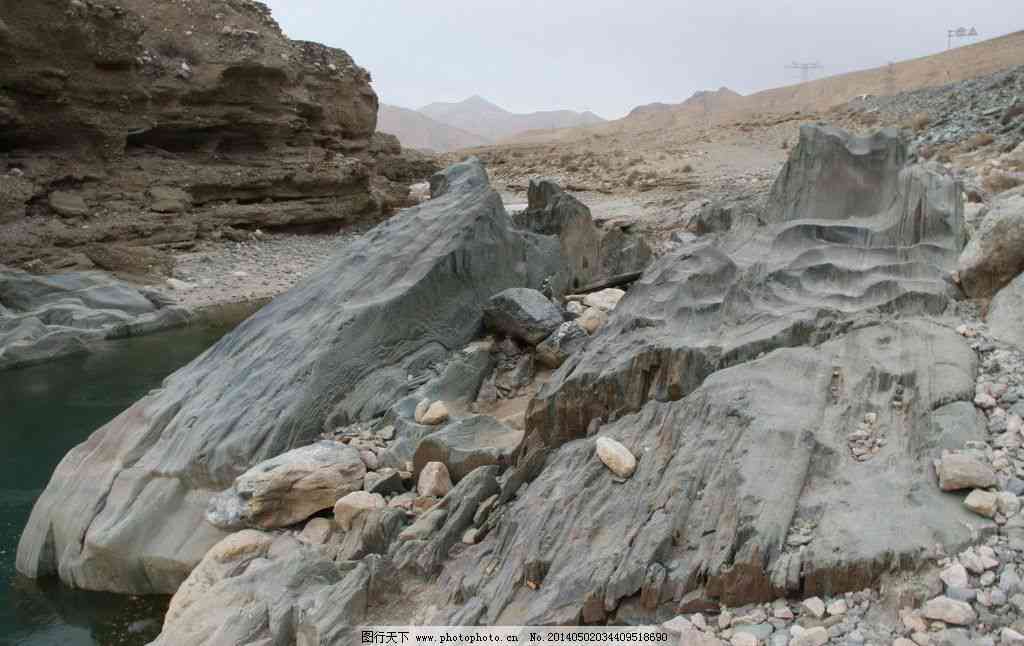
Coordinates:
959	32
890	79
805	69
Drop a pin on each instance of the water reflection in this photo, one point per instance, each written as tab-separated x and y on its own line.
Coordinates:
45	410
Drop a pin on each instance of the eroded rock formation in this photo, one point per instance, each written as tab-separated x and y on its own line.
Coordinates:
157	122
125	510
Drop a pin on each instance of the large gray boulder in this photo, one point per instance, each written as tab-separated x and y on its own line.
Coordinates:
47	317
125	510
524	314
725	474
591	253
462	446
801	279
995	255
1006	313
258	588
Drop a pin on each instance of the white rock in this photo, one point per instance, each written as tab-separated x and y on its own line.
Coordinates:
743	639
353	505
837	608
179	285
963	471
814	606
575	308
606	299
950	611
955	576
1008	503
1010	637
676	625
592	319
984	400
434	480
817	636
431	414
983	503
616	457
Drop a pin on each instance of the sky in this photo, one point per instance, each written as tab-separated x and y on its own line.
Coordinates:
609	56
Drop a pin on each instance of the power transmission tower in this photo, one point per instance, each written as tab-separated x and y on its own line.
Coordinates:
805	69
959	32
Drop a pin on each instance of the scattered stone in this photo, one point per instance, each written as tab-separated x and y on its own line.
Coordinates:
950	611
814	606
567	339
351	506
317	531
431	414
604	300
963	471
616	457
68	205
816	636
955	576
592	319
982	502
434	480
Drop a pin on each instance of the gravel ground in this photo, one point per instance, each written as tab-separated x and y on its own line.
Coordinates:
235	272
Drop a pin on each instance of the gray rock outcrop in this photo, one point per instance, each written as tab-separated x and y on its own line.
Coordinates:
524	314
471	442
700	504
995	255
591	253
739	373
46	317
802	279
1006	313
125	511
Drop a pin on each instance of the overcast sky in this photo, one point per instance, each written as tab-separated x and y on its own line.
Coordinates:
609	56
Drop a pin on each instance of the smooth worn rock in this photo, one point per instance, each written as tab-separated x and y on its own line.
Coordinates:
434	480
615	456
431	414
1006	311
336	349
605	300
592	319
950	611
68	205
816	636
702	477
289	488
815	606
983	503
47	317
524	314
964	471
471	442
799	279
995	254
351	506
317	531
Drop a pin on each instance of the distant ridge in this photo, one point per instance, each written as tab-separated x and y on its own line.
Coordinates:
417	130
485	119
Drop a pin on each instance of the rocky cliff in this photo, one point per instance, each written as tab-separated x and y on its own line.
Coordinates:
155	123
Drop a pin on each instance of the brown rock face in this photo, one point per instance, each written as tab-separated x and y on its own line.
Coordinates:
210	104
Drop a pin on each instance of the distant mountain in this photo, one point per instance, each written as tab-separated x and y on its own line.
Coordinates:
483	118
417	130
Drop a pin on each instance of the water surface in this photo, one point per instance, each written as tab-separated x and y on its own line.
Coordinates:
45	410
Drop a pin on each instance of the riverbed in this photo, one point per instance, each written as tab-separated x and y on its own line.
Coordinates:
45	410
